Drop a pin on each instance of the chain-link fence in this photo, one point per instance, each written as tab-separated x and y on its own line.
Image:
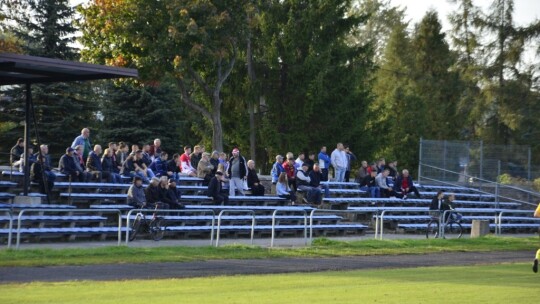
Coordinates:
492	168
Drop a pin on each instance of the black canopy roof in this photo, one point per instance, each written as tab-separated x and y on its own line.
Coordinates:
24	69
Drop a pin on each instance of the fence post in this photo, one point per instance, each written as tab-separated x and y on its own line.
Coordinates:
444	159
497	184
529	176
481	173
420	162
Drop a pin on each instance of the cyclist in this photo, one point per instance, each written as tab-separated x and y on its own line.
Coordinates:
449	203
535	263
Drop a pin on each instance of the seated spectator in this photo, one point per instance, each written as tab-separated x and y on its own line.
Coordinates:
380	165
214	160
283	190
223	159
185	163
38	174
225	179
204	169
310	161
136	196
404	185
93	163
164	193
147	160
316	177
159	165
289	168
67	166
277	169
109	165
362	172
45	164
369	184
155	149
196	156
386	190
392	176
173	166
313	195
81	164
32	158
215	191
121	155
132	167
253	180
173	196
16	151
153	195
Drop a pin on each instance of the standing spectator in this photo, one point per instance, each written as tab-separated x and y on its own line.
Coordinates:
290	170
196	156
404	185
339	162
253	180
350	159
313	195
237	172
316	177
214	160
136	196
310	161
537	256
108	165
381	179
93	163
392	166
214	189
155	149
283	190
300	160
204	169
84	141
369	184
67	166
16	151
185	163
324	163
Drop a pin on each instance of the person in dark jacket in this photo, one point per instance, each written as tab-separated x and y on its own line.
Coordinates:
159	165
93	163
404	185
68	166
172	197
16	151
37	174
214	189
152	193
253	180
237	172
173	166
109	165
369	184
316	177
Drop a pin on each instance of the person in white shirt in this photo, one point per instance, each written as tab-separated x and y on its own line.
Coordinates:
313	195
338	159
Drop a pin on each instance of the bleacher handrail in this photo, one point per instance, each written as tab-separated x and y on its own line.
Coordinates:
10	225
497	184
21	213
274	223
220	215
204	211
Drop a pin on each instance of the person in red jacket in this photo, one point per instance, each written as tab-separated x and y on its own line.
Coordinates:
291	172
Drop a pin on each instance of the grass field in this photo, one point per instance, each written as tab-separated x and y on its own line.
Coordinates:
320	248
507	283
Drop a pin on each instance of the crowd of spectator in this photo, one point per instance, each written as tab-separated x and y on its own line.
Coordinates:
150	164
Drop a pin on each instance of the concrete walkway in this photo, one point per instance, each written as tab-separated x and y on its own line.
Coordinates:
253	266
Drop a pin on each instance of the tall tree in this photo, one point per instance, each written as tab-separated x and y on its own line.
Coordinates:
196	42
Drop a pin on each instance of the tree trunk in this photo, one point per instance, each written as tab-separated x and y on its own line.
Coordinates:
251	101
217	130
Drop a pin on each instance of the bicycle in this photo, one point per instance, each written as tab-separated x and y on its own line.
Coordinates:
155	226
452	227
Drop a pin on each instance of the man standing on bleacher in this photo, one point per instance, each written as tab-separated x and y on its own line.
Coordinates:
84	141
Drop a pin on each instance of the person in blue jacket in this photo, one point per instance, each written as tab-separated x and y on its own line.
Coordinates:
324	163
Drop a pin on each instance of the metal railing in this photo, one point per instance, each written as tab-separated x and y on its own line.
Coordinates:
10	226
287	210
178	211
22	212
252	212
496	185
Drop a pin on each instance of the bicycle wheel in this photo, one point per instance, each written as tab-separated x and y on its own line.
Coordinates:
453	230
135	227
157	228
432	230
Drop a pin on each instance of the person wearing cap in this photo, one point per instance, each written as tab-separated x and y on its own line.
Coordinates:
68	166
204	168
214	189
277	169
185	163
313	195
136	196
237	172
253	180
